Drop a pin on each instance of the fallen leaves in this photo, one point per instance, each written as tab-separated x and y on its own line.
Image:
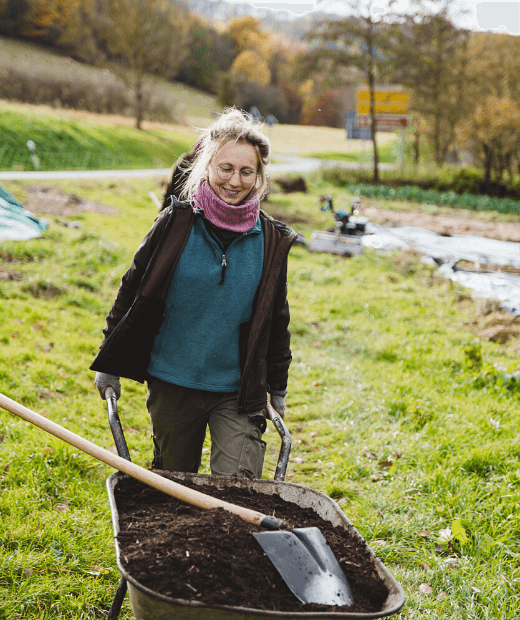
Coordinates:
425	588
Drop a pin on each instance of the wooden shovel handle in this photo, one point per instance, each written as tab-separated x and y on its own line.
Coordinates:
190	496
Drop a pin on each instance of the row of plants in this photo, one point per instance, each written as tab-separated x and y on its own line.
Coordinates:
448	178
430	196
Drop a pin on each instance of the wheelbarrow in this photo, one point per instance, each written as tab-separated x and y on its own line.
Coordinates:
150	605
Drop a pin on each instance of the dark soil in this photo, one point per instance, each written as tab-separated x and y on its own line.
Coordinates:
210	556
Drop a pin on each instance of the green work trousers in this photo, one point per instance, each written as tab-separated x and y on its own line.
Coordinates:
179	418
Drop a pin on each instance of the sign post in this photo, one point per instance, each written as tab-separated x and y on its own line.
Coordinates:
391	110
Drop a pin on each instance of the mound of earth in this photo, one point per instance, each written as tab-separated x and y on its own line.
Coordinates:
454	222
210	556
54	201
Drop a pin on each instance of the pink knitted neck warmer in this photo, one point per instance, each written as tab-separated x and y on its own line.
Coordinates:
239	218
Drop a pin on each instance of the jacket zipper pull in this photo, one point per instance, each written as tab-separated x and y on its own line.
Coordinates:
224	265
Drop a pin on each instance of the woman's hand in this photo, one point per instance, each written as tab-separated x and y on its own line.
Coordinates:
278	403
103	381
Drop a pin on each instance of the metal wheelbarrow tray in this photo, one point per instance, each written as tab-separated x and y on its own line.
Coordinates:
150	605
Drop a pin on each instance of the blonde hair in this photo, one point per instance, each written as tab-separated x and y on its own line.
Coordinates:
231	126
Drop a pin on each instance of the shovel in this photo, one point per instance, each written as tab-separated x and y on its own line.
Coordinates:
302	557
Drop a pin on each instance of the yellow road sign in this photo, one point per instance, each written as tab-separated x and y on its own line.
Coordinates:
383	108
386	102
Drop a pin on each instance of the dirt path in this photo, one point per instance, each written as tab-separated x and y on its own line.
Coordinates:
447	223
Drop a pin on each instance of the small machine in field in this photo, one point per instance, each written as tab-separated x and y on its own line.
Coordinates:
344	238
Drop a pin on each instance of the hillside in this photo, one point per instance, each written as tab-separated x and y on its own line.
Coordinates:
66	139
34	74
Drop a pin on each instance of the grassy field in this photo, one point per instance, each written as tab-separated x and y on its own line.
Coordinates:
69	139
397	410
310	141
67	143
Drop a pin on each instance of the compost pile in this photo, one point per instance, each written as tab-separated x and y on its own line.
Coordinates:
210	556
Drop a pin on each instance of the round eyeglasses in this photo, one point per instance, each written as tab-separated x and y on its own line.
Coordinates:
247	175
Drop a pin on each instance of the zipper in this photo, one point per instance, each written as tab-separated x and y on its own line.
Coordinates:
224	265
223	260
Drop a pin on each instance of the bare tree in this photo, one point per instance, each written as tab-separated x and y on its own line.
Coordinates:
147	38
428	54
355	42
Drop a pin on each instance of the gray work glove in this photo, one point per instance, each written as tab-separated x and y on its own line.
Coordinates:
102	381
278	402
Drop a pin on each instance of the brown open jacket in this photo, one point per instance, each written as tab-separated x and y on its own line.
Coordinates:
138	310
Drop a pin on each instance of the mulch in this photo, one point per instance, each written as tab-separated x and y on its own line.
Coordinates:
211	557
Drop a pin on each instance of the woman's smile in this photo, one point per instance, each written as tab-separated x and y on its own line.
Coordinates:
239	156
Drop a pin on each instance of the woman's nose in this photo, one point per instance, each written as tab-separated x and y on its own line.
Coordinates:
235	178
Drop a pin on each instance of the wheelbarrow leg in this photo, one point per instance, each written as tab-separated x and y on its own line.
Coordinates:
122	449
115	608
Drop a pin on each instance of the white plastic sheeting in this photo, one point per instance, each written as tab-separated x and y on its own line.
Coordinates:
15	221
447	251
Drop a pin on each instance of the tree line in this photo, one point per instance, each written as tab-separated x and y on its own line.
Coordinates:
463	85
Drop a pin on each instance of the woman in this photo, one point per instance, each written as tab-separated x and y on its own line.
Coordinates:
202	313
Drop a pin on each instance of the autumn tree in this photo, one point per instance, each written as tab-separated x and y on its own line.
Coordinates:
427	54
211	54
261	74
146	37
491	127
65	24
254	50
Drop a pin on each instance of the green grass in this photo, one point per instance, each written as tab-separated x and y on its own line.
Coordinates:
83	144
388	154
396	410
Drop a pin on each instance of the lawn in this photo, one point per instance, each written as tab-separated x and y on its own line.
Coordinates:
71	139
396	409
66	141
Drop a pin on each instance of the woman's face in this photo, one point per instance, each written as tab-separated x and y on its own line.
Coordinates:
242	158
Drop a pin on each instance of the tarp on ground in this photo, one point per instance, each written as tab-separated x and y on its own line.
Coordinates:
15	221
448	251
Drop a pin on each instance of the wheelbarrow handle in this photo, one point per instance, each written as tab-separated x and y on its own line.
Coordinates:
285	448
115	424
122	450
185	494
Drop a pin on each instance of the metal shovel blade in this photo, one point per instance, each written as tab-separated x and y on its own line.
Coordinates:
307	565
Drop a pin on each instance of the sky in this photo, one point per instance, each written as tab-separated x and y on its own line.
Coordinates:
479	15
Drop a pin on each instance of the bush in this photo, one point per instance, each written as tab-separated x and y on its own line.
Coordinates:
76	91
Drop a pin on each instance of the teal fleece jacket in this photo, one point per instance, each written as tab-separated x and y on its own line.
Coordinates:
210	295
